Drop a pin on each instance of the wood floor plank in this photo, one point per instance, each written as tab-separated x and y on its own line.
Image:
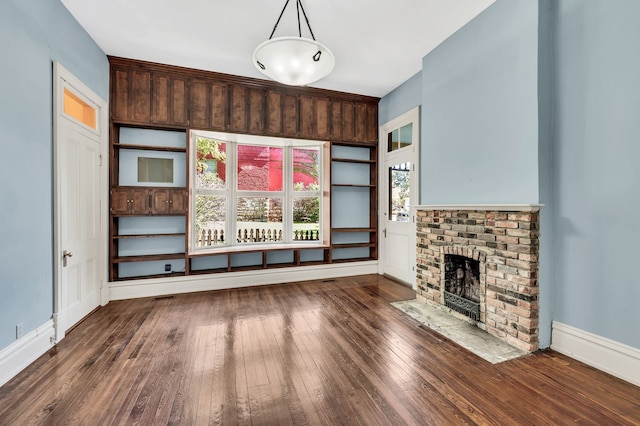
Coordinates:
327	352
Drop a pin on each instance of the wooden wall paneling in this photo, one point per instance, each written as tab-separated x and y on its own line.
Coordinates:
372	123
140	96
361	122
335	127
322	118
348	122
307	116
199	104
219	106
274	113
239	110
257	111
291	116
120	84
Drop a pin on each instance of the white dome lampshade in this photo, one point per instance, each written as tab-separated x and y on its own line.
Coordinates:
296	61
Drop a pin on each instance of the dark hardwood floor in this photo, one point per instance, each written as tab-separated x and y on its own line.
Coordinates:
332	352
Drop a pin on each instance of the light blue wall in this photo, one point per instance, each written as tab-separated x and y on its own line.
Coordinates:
545	168
479	119
596	167
34	33
402	99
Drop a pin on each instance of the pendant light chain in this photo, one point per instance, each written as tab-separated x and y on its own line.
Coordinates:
306	19
299	7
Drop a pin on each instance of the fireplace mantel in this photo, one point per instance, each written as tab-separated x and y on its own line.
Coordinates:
481	207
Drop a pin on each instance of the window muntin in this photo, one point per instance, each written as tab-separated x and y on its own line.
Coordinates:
251	191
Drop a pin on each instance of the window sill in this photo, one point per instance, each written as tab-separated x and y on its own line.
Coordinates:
256	248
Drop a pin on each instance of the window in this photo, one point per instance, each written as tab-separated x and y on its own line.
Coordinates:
253	191
400	138
79	110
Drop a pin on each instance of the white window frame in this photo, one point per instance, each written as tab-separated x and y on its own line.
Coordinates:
231	193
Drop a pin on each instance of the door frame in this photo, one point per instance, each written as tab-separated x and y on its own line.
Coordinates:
411	116
63	78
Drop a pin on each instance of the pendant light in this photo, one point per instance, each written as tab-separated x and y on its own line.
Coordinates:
293	60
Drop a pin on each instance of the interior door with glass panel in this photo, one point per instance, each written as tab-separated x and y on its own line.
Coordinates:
399	178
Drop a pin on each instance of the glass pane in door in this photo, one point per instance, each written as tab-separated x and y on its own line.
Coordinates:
399	191
400	138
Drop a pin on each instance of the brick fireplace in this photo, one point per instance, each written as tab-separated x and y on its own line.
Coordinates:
503	244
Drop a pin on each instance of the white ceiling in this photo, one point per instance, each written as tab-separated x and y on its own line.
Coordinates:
378	44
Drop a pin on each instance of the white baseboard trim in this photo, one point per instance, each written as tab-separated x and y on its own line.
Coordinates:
604	354
132	289
18	355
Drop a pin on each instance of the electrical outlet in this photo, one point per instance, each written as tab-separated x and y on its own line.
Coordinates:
19	330
167	267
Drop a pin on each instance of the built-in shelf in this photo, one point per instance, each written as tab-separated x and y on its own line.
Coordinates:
353	230
353	245
148	257
150	147
124	237
168	274
352	160
352	185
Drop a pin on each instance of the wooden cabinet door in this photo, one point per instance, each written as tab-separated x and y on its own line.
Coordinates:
169	100
322	118
179	90
372	123
120	86
257	111
274	113
307	116
129	201
199	109
178	201
131	95
361	122
335	117
290	116
140	95
168	201
160	198
348	121
239	95
140	201
120	201
219	106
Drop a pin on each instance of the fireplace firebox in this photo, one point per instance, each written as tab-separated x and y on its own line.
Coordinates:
462	285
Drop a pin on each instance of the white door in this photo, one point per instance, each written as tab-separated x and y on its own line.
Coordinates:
399	189
79	220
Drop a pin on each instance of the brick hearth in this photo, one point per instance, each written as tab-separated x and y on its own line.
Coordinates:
506	245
